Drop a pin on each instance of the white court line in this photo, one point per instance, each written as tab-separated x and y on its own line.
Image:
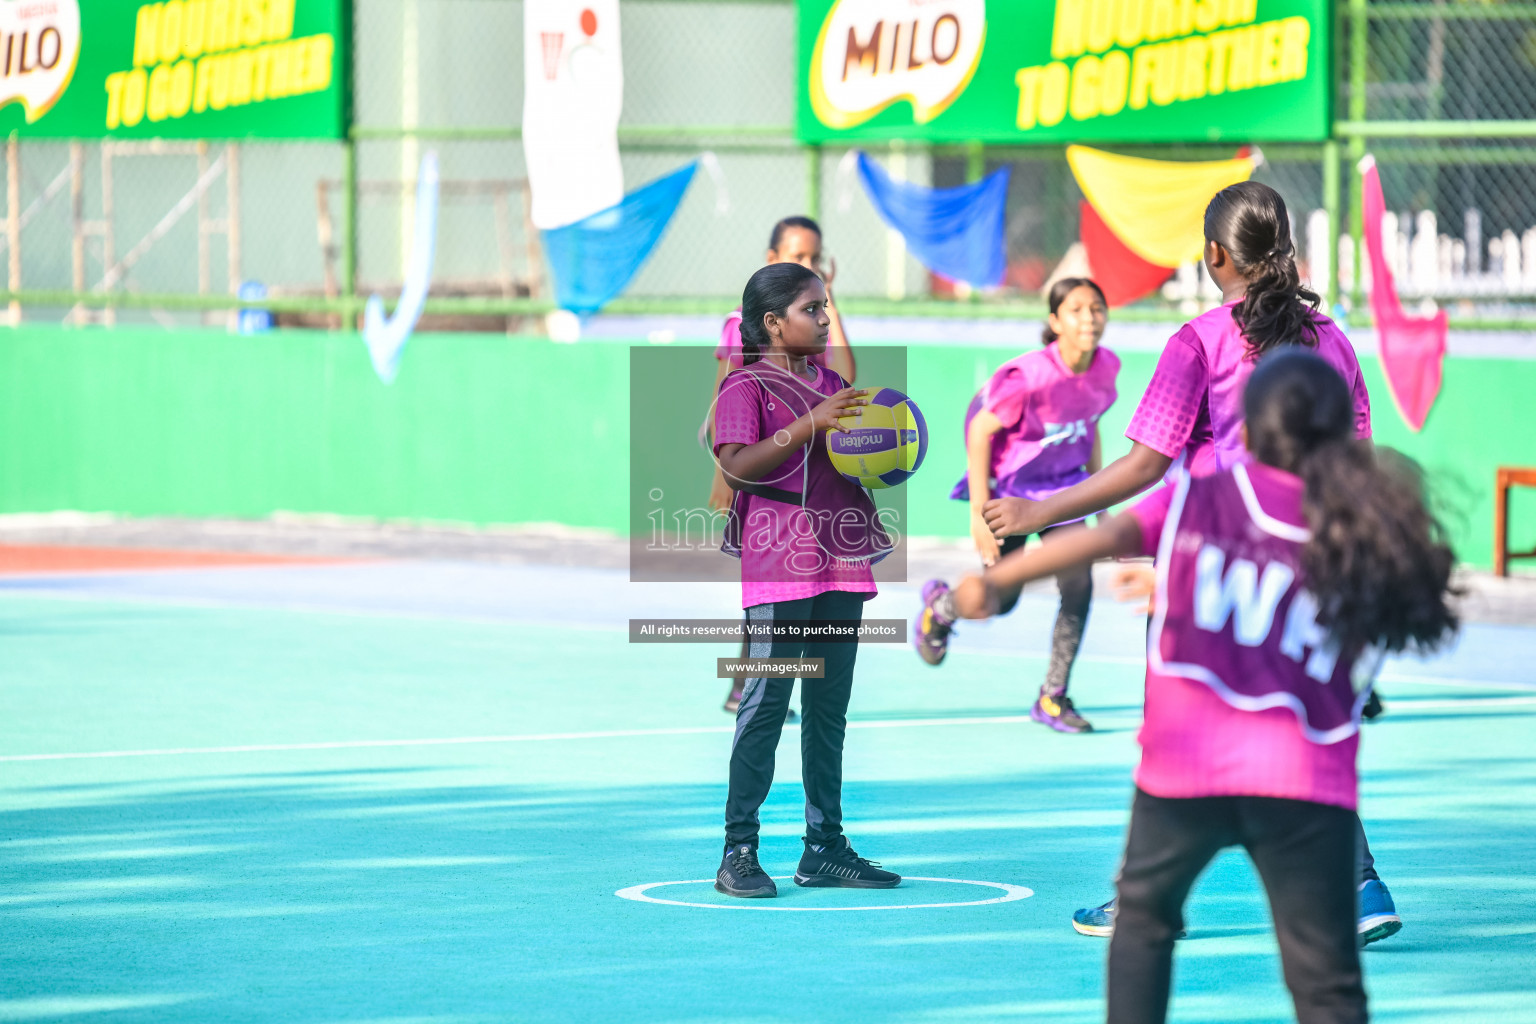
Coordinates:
1389	676
1010	894
1408	707
224	604
1465	684
260	748
456	741
1464	703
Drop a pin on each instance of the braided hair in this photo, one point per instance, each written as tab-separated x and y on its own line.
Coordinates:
1250	222
773	289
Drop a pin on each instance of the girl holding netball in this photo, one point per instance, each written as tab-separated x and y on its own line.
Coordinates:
793	240
1280	581
771	417
1030	432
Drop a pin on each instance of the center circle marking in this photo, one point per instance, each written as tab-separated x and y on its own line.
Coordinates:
638	893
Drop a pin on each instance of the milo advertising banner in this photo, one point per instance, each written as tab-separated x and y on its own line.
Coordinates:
175	69
1053	71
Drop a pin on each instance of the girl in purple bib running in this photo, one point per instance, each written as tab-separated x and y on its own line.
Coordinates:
1032	431
1280	581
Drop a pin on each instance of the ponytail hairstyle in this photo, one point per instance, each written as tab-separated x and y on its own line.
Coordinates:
773	289
1059	292
1378	561
1250	221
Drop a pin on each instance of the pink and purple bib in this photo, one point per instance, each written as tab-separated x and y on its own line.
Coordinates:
1049	415
1193	405
1246	693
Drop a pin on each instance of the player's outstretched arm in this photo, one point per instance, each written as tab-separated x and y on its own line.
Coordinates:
1124	478
976	596
978	472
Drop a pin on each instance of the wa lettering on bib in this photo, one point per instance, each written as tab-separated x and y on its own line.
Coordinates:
1234	614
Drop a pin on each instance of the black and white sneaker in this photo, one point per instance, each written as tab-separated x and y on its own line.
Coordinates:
834	864
741	875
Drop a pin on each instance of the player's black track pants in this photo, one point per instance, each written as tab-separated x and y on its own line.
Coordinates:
823	718
1306	856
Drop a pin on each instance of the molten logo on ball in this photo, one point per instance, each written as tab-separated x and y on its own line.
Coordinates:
884	445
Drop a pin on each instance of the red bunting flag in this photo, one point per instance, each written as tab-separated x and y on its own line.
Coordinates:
1124	276
1412	348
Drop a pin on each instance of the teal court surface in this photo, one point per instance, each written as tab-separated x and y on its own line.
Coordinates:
451	792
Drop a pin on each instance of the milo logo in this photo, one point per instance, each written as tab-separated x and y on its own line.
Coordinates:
41	42
870	54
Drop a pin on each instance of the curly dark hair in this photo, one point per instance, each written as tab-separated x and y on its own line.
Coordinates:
1250	221
1378	561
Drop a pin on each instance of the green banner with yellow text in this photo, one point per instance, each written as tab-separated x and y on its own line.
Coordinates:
176	69
1054	71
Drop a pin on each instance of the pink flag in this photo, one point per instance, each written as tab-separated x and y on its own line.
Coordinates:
1412	347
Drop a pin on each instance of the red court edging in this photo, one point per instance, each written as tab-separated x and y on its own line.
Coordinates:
44	558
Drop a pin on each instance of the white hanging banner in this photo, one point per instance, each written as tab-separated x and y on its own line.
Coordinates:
573	89
386	338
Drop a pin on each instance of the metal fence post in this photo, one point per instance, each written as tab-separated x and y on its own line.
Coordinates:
975	162
813	181
1332	203
1358	56
348	230
13	220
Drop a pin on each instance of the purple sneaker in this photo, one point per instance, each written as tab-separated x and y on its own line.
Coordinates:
930	630
1059	714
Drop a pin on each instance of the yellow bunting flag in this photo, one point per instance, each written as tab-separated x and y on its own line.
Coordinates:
1156	207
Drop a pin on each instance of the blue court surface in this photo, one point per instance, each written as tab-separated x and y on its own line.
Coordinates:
411	792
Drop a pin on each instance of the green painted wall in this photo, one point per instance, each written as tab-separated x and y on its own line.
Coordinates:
488	429
478	428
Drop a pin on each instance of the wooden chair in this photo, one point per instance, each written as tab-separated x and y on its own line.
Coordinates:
1507	477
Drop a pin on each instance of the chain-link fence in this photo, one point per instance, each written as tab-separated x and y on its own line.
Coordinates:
1442	93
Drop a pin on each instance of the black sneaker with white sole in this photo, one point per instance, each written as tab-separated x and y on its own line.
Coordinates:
741	875
834	864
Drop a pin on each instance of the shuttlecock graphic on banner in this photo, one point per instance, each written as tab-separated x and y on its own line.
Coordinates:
573	90
1411	348
386	338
